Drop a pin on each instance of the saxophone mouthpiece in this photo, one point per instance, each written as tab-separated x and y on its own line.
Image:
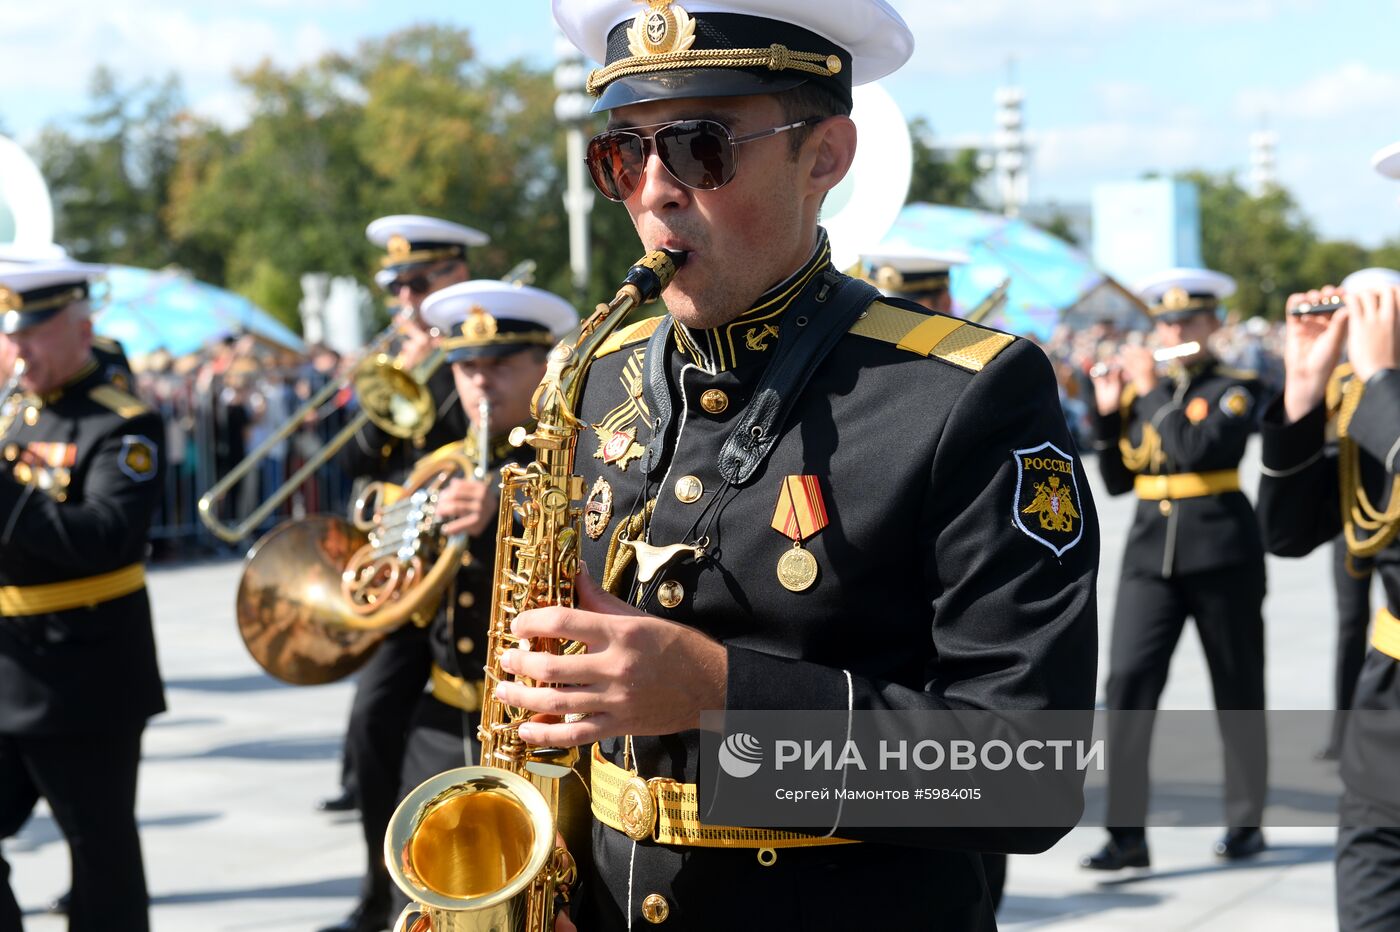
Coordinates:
653	273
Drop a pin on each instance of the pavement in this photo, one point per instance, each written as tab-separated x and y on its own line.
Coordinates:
232	773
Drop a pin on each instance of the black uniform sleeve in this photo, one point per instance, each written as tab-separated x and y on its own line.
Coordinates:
1298	504
1011	624
1374	426
1117	478
111	522
1191	447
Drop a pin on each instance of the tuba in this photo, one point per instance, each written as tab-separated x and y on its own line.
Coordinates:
474	848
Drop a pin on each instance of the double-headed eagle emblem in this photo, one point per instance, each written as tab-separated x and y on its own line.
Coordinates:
1054	505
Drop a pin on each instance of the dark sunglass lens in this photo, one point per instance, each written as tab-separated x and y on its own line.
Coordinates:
417	284
698	153
615	161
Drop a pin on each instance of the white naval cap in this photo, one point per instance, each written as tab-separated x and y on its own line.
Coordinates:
1178	293
1366	279
1387	161
31	293
912	272
488	317
412	239
697	48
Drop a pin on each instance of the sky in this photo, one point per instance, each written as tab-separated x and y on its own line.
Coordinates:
1114	88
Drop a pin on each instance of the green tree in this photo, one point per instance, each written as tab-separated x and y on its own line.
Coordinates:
110	175
1263	242
940	176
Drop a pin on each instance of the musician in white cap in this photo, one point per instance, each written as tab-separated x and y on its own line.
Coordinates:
1311	491
924	277
790	443
80	467
496	336
422	255
1176	438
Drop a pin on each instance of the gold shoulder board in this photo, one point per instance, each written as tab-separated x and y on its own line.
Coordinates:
632	333
109	396
954	341
1244	375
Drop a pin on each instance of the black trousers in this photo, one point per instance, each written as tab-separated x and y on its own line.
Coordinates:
1227	606
434	745
1353	621
1368	868
89	781
385	696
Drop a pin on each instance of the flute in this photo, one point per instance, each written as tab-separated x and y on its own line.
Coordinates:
1167	354
1325	306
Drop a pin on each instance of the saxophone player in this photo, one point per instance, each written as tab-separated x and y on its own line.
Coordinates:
880	464
79	482
496	336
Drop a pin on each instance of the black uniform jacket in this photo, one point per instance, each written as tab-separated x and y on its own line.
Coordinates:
1299	508
77	491
956	571
1195	421
380	455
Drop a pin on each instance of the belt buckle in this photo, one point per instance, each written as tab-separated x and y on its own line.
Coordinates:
636	809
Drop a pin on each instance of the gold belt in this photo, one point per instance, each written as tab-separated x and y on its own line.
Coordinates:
71	593
1385	635
457	692
668	812
1187	484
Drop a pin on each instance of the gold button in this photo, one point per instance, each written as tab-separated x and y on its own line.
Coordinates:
12	452
714	401
465	645
466	600
468	559
31	416
655	909
1165	507
689	489
670	593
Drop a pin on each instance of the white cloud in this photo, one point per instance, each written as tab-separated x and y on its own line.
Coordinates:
53	48
1352	89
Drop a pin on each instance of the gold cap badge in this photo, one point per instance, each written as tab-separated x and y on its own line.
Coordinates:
1176	299
888	278
664	27
399	247
479	325
9	301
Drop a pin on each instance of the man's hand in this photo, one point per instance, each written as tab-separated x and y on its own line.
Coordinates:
468	505
1139	367
642	675
417	343
1311	350
1372	340
1108	389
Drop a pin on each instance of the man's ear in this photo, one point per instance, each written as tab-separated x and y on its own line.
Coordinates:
833	148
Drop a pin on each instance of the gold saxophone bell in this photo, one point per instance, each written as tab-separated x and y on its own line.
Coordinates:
466	846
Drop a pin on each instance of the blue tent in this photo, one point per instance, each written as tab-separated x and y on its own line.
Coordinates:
1048	277
147	310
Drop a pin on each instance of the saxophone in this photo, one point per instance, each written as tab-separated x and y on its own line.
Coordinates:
10	399
474	848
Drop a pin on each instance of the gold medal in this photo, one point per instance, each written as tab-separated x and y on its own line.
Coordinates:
797	569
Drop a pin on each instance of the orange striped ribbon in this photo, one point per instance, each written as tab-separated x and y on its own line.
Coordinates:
801	512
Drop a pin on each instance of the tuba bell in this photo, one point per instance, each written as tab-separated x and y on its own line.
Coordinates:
474	848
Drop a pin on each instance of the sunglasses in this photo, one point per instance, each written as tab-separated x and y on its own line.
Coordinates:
699	154
420	283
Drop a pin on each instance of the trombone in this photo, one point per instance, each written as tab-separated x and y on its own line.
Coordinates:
392	397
